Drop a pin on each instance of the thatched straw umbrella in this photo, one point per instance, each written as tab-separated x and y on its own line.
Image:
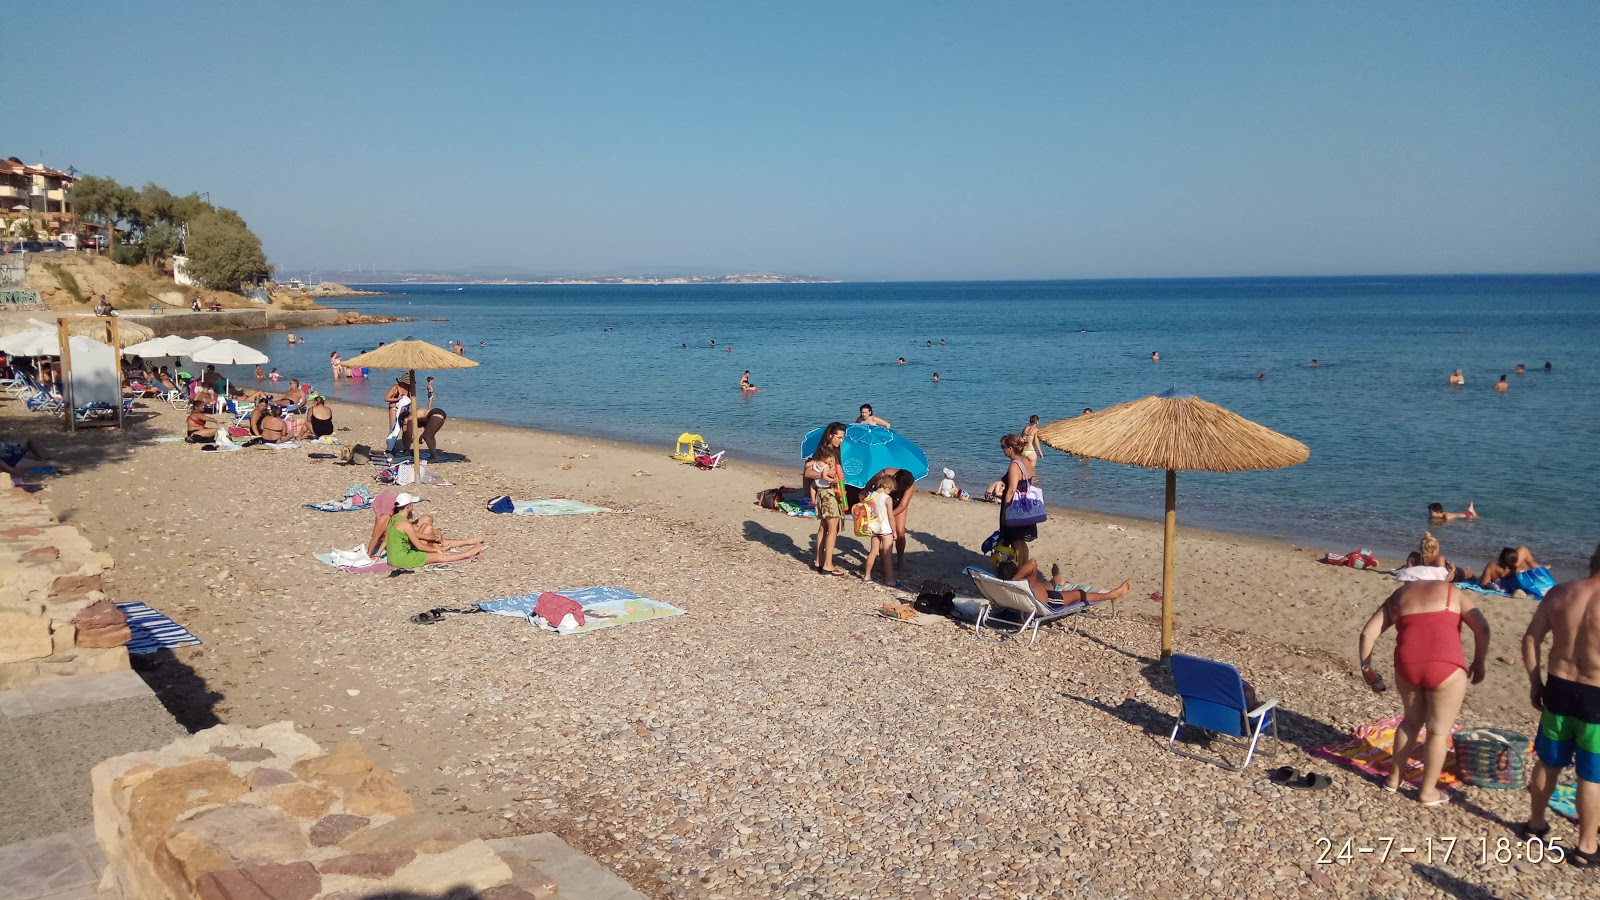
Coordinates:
411	355
1174	431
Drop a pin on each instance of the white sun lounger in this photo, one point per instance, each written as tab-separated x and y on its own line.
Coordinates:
1013	603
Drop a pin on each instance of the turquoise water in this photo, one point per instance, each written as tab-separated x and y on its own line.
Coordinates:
1387	435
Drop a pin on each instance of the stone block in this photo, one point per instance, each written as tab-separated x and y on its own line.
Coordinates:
159	800
272	881
367	865
377	795
23	636
332	829
15	533
347	759
243	754
63	639
302	800
72	585
104	638
40	555
227	836
18	674
266	778
422	833
473	864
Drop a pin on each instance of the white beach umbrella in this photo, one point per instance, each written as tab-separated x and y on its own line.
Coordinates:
167	345
229	353
31	343
190	346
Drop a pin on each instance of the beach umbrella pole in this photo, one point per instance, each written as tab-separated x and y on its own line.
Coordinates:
1170	532
64	374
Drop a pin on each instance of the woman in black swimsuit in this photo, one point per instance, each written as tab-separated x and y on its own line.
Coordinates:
321	417
432	420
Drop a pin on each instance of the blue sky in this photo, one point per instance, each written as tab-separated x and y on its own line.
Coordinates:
872	140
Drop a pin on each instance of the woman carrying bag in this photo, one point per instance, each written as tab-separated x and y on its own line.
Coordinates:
1022	504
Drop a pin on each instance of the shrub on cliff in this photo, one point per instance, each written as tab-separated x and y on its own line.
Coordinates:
223	252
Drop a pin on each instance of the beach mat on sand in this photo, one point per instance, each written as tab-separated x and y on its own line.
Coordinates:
1477	588
380	567
153	631
603	607
1369	750
557	506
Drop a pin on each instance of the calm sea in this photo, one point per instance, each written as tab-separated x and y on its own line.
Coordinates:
1387	434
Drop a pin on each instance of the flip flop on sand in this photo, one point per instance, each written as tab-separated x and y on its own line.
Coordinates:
1528	832
1292	778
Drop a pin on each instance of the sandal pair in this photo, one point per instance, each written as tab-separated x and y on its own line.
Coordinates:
1289	777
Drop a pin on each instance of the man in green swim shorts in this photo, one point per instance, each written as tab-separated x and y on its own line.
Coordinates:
1569	703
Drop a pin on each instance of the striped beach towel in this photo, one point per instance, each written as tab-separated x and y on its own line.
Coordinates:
1370	750
153	631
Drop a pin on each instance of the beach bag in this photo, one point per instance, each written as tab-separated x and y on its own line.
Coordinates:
500	505
386	476
771	497
1026	507
863	517
1492	758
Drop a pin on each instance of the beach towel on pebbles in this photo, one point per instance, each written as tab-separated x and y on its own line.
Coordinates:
557	506
152	631
1369	750
603	607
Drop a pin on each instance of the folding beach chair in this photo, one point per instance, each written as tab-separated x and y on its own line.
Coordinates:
1013	603
1213	699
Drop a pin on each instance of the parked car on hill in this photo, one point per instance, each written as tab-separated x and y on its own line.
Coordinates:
32	247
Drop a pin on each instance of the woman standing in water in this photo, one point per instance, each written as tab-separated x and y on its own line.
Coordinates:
338	366
824	476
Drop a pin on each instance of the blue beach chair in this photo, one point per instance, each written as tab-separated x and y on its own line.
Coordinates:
1213	699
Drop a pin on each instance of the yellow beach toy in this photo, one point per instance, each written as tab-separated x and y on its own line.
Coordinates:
689	446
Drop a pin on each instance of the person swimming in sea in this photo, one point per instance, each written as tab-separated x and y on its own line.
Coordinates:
1437	513
1314	364
1547	366
1502	385
1457	379
1155	356
1261	376
1522	369
902	361
936	378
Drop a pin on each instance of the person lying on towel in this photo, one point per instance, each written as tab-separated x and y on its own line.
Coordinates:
403	539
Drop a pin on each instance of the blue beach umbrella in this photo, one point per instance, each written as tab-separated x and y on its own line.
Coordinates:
868	450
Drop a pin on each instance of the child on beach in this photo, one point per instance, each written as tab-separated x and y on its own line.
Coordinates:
881	525
260	373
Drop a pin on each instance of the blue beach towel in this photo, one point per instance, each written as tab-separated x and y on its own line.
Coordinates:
153	631
603	607
1477	588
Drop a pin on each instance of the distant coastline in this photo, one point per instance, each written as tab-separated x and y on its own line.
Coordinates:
402	278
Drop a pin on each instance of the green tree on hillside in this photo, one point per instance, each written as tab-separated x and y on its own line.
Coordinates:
160	241
223	252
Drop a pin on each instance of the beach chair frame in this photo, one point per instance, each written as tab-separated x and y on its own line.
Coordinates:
1211	698
1013	603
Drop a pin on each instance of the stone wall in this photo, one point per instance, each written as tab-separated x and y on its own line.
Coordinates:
55	619
192	323
232	813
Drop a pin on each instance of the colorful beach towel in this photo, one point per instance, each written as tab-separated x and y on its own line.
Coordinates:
1565	801
1370	750
380	567
603	607
1477	588
357	496
153	631
556	506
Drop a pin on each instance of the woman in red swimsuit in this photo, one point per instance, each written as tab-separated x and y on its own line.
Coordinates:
1429	669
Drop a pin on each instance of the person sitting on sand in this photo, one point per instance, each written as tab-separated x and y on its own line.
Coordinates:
402	539
1436	513
1457	379
996	491
266	423
199	427
1511	561
1431	562
868	417
430	539
319	418
1502	385
1050	593
295	395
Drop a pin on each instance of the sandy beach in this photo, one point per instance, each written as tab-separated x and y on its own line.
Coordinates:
781	739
